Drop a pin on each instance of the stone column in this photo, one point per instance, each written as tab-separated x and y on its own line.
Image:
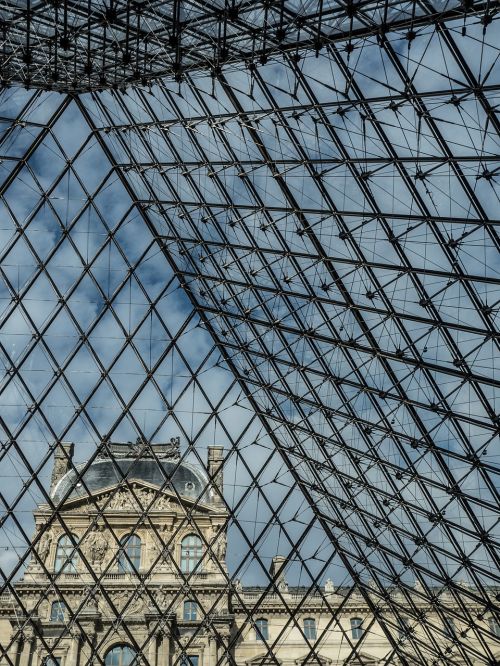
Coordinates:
27	649
74	649
212	651
215	464
225	636
163	656
37	658
13	652
89	642
153	650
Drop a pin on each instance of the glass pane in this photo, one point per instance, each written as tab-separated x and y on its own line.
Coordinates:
130	554
121	655
310	628
66	555
190	610
262	630
57	611
191	553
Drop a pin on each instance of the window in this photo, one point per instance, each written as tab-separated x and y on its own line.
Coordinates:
66	554
129	558
190	660
494	626
310	628
191	553
262	630
52	661
57	611
356	627
190	610
120	655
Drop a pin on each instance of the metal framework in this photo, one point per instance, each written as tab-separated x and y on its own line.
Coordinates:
292	209
90	44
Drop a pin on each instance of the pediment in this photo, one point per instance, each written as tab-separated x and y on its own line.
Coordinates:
262	660
316	660
361	659
118	498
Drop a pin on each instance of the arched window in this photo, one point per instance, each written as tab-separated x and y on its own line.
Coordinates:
261	630
191	553
129	558
310	628
66	554
57	611
52	661
190	610
357	627
120	655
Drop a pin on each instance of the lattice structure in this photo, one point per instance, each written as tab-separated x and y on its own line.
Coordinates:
286	244
85	45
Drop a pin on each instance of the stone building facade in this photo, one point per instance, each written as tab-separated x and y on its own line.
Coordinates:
129	567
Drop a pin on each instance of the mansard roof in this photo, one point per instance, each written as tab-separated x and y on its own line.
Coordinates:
183	478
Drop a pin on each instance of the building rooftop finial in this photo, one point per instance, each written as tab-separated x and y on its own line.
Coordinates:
141	448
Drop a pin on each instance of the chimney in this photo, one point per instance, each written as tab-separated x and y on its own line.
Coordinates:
63	455
215	460
277	569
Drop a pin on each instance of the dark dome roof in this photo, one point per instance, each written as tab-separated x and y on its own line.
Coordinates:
188	480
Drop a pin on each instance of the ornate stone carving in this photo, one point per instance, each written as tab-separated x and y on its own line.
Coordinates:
283	586
137	604
43	546
221	546
91	599
162	597
141	448
145	499
122	500
224	633
172	449
329	586
160	547
217	555
119	598
27	634
150	499
97	546
162	503
127	602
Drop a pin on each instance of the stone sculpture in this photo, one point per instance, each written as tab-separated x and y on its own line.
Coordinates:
97	546
44	545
